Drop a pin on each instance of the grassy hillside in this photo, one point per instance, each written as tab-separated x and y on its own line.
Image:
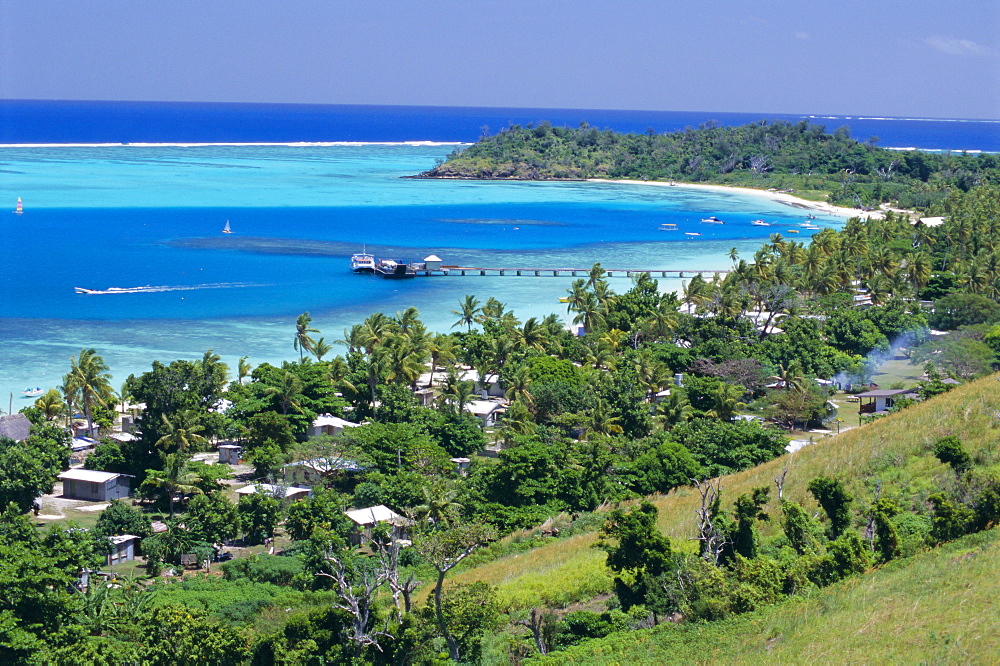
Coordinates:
894	450
939	606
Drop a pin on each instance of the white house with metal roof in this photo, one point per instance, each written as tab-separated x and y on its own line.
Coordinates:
88	484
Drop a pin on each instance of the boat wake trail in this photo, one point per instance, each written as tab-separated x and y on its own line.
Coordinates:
155	289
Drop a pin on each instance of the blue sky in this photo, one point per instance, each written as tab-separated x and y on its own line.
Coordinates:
923	58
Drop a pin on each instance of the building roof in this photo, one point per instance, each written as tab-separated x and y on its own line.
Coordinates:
885	393
273	490
433	257
375	514
90	475
123	437
230	446
330	464
82	443
330	420
931	221
483	407
122	538
15	427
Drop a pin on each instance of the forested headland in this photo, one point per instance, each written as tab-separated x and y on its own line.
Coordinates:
616	476
803	157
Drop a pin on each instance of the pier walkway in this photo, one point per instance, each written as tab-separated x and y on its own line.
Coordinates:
564	272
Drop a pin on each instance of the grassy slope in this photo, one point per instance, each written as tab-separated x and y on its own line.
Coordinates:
894	449
937	606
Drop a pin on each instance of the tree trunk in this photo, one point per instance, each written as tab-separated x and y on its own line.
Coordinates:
439	615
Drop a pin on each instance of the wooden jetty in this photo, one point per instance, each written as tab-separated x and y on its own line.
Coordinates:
482	271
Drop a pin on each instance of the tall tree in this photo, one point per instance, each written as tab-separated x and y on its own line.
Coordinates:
88	383
303	343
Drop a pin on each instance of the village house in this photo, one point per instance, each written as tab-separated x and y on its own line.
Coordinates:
229	454
88	484
487	411
122	548
881	401
366	519
318	470
326	424
288	494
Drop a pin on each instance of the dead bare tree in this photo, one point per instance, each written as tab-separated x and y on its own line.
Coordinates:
713	540
886	172
760	163
780	482
387	551
356	592
870	528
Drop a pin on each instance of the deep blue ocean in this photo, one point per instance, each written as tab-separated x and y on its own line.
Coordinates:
30	121
126	216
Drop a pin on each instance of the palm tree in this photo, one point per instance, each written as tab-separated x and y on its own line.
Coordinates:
287	392
303	343
518	388
51	404
175	478
590	312
533	334
439	505
321	348
442	350
601	421
492	310
727	402
89	382
734	254
182	433
468	311
596	274
243	369
338	372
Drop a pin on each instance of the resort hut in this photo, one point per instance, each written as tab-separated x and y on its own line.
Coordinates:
327	424
122	548
229	454
365	520
15	427
88	484
461	465
432	263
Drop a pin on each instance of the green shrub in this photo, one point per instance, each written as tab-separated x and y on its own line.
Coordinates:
273	569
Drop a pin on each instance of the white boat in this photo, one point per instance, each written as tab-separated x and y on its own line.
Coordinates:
82	290
668	227
760	223
226	229
362	262
19	208
711	219
810	227
32	392
691	233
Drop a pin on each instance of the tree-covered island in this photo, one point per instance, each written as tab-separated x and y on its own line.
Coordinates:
803	157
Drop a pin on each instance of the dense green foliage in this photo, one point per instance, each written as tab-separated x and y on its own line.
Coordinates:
774	154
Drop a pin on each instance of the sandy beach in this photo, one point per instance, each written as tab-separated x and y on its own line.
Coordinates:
783	197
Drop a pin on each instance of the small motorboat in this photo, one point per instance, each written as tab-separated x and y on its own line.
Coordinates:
810	227
711	219
668	227
760	223
793	231
691	233
32	392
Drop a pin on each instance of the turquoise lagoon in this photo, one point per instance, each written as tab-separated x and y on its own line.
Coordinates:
136	216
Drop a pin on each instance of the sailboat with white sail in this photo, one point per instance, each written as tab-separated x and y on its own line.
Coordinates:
19	208
227	229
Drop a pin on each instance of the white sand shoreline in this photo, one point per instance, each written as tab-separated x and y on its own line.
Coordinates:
308	144
782	197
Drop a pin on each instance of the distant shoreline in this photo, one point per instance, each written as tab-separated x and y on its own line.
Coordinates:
197	144
782	197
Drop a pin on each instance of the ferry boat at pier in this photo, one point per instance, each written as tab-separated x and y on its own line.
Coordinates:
362	262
